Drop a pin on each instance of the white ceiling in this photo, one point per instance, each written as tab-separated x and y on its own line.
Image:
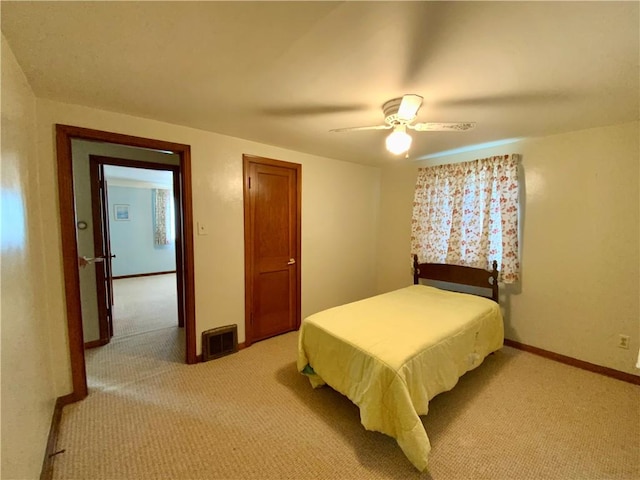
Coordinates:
127	176
285	73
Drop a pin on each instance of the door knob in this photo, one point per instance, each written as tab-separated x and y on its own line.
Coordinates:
291	261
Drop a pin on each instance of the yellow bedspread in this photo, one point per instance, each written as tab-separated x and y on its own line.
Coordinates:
390	354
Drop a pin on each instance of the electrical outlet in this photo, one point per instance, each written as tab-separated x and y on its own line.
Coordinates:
623	341
202	229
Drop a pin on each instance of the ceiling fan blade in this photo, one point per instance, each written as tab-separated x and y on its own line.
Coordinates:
425	32
308	110
409	106
354	129
442	127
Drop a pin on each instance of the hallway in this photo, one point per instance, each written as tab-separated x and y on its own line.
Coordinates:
146	341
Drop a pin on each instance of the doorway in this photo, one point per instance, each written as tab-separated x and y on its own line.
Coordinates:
272	219
184	239
134	235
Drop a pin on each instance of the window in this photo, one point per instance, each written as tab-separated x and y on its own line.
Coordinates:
163	221
467	214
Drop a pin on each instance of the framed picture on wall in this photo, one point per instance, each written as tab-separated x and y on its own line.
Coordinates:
121	212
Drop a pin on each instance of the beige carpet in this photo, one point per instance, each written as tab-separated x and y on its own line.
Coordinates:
146	341
251	415
132	359
143	304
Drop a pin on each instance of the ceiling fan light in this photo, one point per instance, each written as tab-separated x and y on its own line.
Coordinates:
398	141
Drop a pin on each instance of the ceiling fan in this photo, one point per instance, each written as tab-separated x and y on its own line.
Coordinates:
399	114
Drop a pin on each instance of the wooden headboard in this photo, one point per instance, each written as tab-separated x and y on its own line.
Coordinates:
476	277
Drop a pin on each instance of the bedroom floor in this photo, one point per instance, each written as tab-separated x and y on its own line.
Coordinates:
251	415
143	304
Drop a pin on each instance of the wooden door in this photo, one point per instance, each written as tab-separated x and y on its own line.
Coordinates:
102	249
272	247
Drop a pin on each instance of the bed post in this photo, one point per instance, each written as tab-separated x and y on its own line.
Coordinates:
494	285
416	270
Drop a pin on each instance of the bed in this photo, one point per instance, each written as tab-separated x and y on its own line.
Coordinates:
392	353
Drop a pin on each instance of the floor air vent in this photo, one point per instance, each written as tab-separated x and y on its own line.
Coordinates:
219	342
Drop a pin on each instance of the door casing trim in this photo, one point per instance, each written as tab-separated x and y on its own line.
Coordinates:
64	135
248	235
147	165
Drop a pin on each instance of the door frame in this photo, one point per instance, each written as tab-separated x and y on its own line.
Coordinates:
247	160
145	165
101	241
64	135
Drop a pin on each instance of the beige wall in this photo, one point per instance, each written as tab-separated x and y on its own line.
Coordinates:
339	221
580	221
28	395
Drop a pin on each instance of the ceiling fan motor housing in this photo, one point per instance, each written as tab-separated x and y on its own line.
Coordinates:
390	109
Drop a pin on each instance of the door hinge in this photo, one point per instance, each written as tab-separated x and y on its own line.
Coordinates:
249	183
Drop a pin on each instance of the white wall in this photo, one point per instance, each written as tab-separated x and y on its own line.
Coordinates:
339	221
28	395
580	260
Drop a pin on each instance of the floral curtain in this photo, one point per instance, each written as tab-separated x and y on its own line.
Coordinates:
162	216
467	214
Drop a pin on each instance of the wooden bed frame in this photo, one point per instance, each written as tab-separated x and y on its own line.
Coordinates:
475	277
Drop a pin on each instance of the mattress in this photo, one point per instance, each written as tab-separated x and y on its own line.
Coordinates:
392	353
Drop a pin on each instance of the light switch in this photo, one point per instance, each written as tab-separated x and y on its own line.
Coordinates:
202	229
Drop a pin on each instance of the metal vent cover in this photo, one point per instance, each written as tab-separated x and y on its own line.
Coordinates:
219	342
